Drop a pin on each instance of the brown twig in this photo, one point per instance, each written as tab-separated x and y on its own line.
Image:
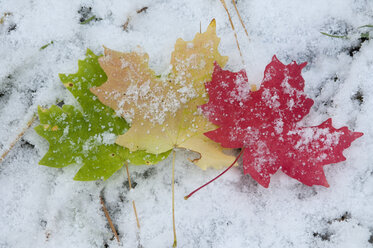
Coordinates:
108	218
133	201
29	123
143	9
127	23
234	30
239	17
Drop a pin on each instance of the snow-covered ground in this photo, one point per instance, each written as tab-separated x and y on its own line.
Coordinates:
44	207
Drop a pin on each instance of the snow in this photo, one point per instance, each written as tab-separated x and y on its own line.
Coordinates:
44	207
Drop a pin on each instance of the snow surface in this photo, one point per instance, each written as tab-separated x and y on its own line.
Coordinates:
44	207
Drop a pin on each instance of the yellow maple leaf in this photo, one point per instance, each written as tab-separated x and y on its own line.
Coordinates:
163	111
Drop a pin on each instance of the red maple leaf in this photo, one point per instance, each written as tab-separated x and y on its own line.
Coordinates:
265	123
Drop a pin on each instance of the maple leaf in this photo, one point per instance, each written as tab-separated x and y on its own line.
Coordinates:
87	136
163	111
266	124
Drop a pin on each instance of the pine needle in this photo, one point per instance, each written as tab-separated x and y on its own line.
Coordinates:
173	198
108	218
366	26
29	123
239	17
133	201
234	30
335	36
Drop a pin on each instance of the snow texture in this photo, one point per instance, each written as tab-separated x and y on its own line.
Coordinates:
44	207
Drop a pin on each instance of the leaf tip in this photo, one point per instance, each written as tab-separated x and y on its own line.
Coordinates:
89	53
301	66
265	184
328	122
41	109
275	59
357	135
325	183
212	24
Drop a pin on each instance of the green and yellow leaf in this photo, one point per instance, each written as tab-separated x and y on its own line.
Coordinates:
87	136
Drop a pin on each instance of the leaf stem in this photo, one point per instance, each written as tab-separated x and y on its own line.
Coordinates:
133	201
29	123
108	218
173	198
193	192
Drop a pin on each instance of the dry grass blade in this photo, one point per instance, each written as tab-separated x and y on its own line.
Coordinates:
234	30
108	218
29	123
239	17
133	201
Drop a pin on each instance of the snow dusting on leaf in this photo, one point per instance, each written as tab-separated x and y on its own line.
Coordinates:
265	123
87	137
163	111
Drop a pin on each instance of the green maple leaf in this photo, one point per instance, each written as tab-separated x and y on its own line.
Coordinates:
87	136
